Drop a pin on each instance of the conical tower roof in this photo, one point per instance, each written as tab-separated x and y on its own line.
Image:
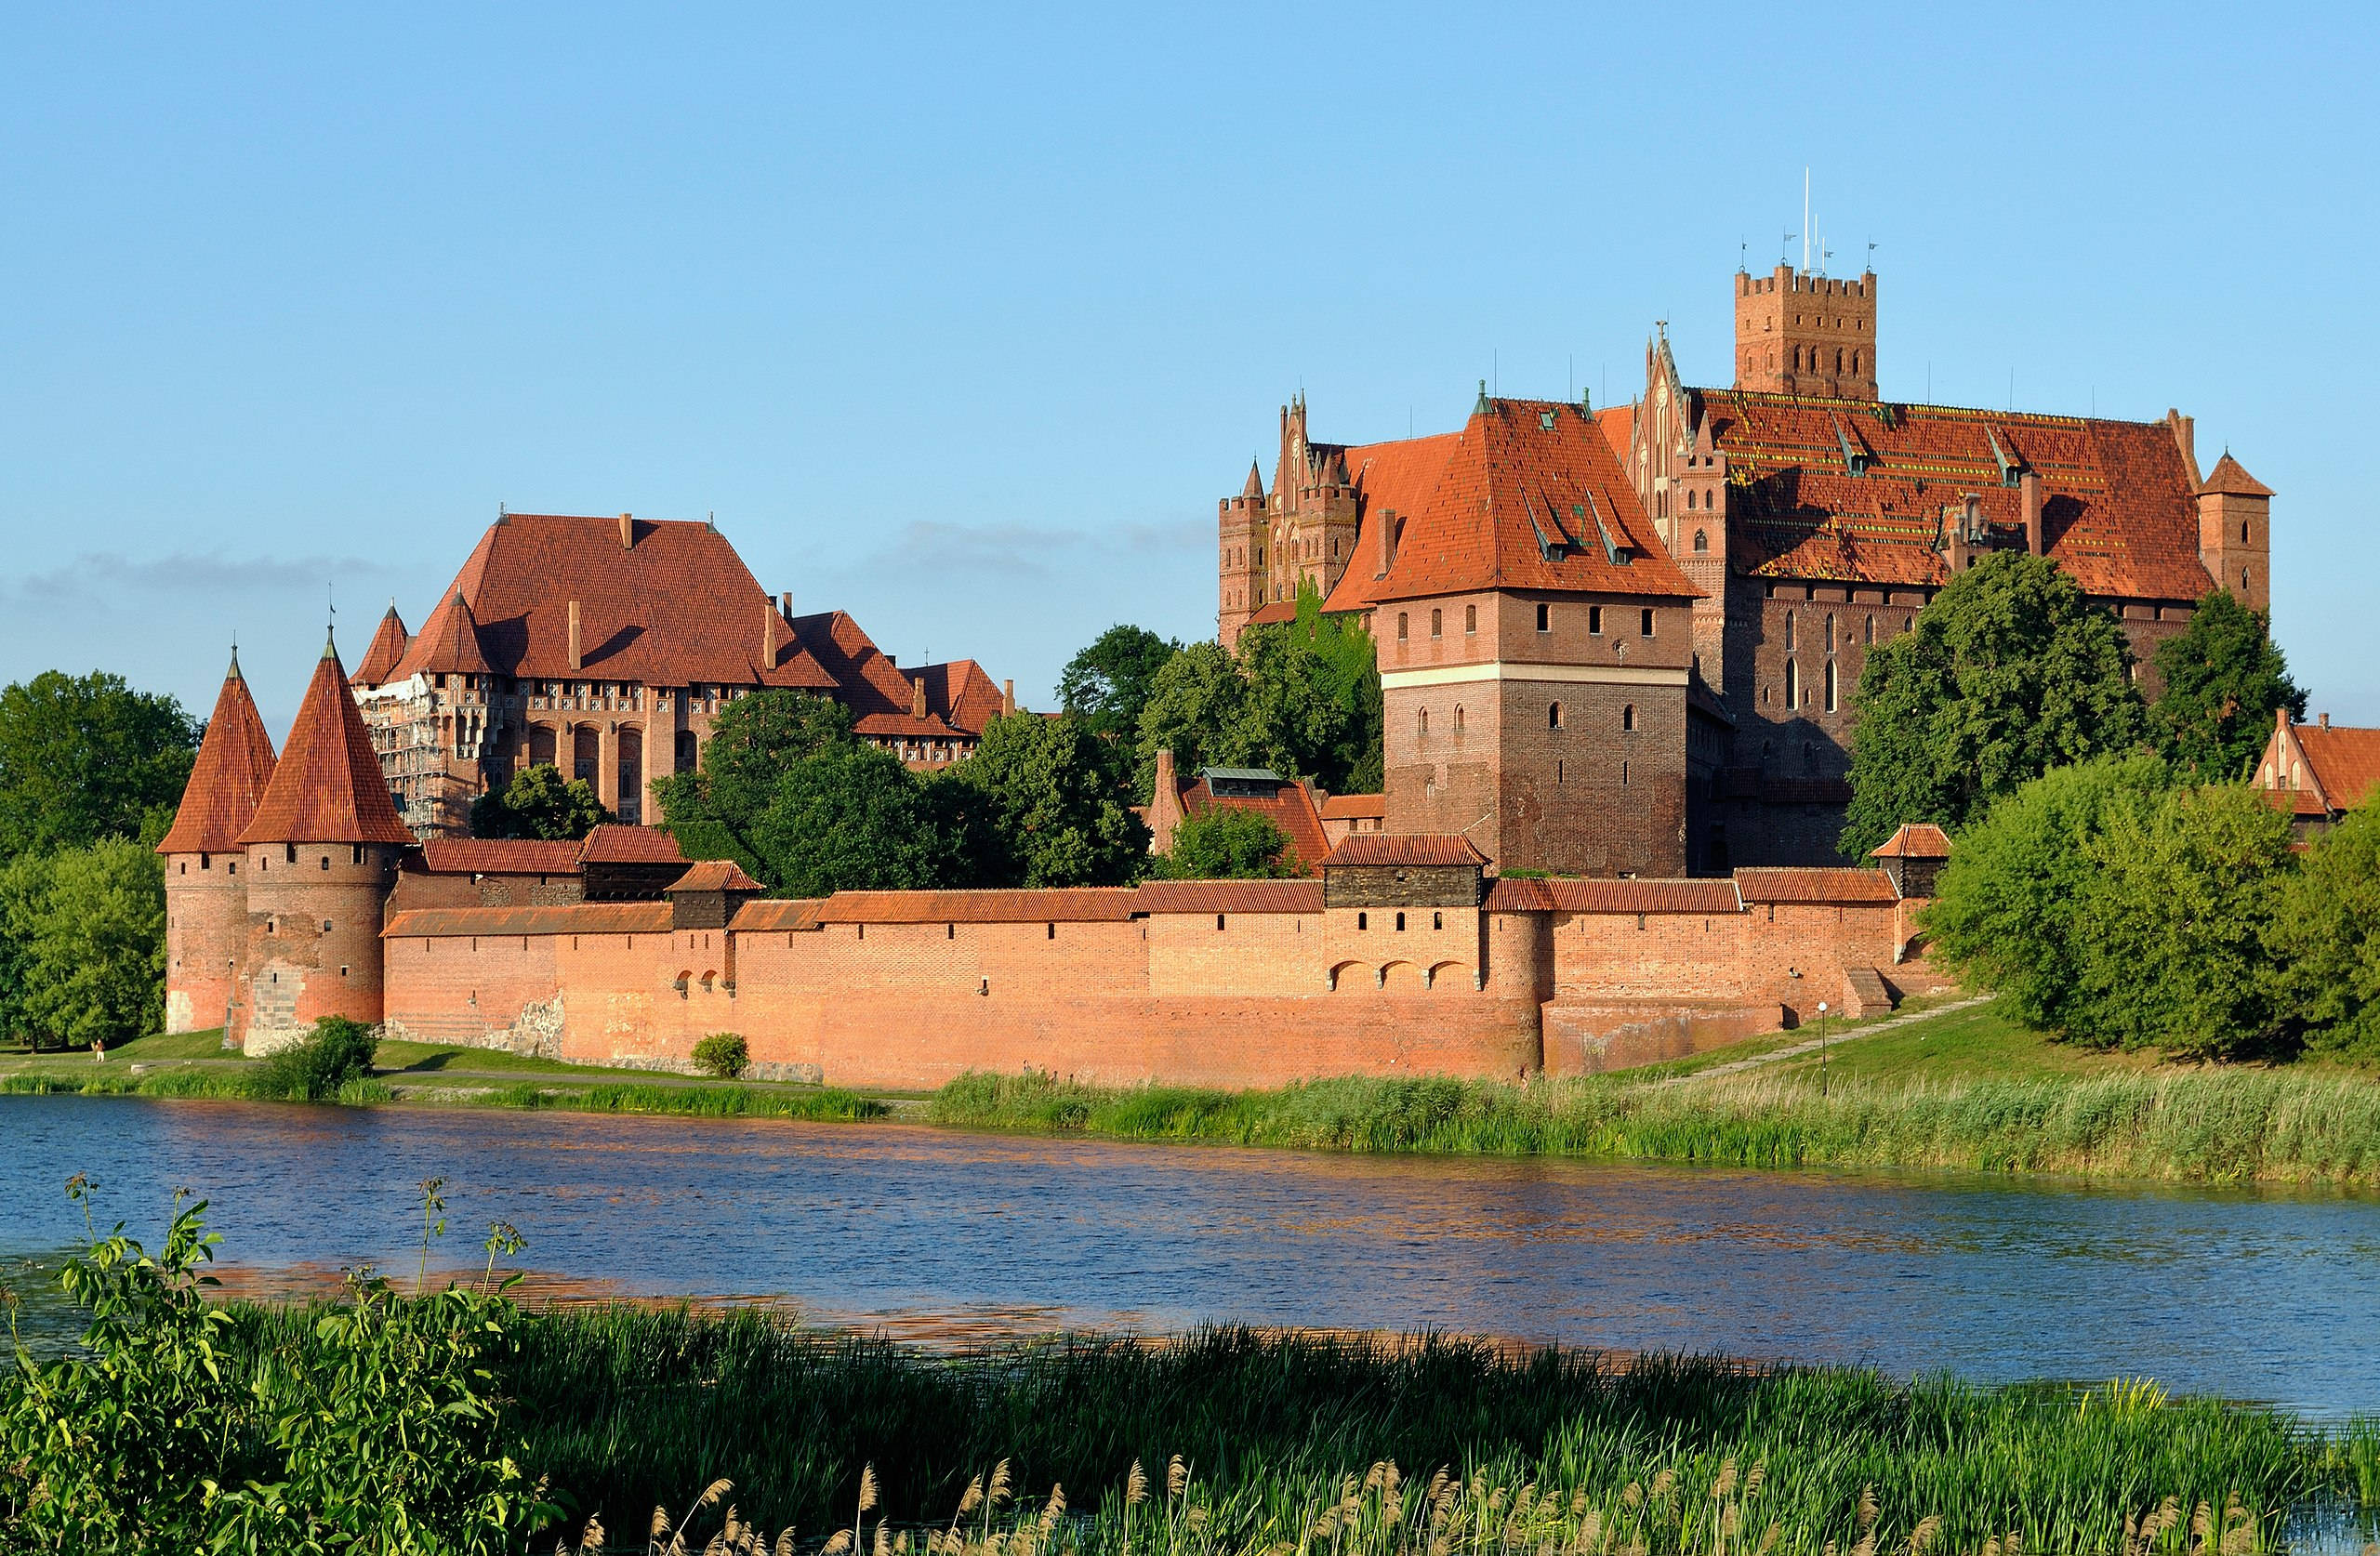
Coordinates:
328	788
449	642
1254	488
388	648
2231	479
234	765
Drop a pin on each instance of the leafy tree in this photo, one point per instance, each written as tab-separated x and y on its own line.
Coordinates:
1347	665
848	819
1227	843
540	802
1107	684
2009	672
724	1054
2225	679
2327	937
1196	710
2008	909
2175	924
82	944
84	757
711	811
1051	813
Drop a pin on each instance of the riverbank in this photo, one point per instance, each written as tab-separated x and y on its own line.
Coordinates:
1965	1090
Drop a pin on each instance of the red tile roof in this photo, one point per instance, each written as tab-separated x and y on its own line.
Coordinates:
715	874
573	918
388	647
2346	761
2229	478
1422	849
1613	896
776	912
1351	807
960	694
1070	904
1618	424
1229	896
1526	496
1290	806
2117	505
1815	886
499	856
230	775
327	787
1914	841
449	644
876	690
1279	612
675	608
619	843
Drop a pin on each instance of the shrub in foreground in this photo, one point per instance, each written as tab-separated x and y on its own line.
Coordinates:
315	1068
723	1054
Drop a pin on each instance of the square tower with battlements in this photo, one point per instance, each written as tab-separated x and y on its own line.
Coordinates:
1809	335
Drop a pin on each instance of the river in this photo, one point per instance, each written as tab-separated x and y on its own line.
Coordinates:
937	1235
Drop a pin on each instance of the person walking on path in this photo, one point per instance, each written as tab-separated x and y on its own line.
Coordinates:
98	1050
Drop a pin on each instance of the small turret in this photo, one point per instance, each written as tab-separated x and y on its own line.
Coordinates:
206	902
320	856
387	651
2235	533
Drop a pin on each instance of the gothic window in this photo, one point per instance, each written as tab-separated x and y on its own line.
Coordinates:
1437	623
2243	578
1702	541
1868	632
1471	619
1422	721
1830	632
1457	719
1400	626
1789	631
1628	718
1554	716
1830	685
1854	361
1793	684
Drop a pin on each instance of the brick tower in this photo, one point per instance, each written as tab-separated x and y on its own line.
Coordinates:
206	897
322	853
2235	533
1802	333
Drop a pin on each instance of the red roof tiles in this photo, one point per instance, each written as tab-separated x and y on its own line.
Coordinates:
1527	497
1613	896
619	843
1288	807
388	648
499	856
234	765
1422	849
327	787
573	919
715	874
776	913
1914	841
1072	904
1228	896
1815	886
2230	479
2346	761
1353	806
2117	505
449	644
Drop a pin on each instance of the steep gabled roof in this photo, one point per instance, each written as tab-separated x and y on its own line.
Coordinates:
1527	497
234	768
2230	479
715	874
2118	509
388	648
1914	841
327	787
2345	762
674	607
449	644
876	690
1288	805
960	694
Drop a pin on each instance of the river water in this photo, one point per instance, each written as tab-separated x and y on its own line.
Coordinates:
2260	1294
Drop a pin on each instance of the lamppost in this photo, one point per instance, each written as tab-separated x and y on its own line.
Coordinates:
1821	1048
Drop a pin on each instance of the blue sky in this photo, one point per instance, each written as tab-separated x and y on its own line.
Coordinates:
961	321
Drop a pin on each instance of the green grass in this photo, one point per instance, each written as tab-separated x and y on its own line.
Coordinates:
226	1084
823	1104
1989	1097
627	1408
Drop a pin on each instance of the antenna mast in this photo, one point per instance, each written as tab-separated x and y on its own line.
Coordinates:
1805	220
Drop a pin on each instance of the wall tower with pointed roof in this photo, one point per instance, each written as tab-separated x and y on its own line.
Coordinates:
206	897
320	856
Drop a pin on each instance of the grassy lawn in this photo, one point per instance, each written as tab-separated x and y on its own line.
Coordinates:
1981	1042
157	1048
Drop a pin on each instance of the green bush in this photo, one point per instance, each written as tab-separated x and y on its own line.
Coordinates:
723	1054
316	1067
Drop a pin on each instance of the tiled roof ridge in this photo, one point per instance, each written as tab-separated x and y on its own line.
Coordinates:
389	641
328	788
229	776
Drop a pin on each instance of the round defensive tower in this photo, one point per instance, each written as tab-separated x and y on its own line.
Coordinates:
320	857
207	895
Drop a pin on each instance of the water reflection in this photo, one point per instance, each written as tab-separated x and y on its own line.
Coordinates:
929	1234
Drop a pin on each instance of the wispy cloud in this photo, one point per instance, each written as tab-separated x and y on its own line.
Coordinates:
111	574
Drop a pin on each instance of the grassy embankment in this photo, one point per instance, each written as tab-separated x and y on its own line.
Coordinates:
1965	1089
1284	1440
195	1064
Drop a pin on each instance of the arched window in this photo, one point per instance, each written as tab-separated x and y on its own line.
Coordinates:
1554	716
2244	579
2243	533
1854	361
1702	541
1789	632
1793	684
1628	718
1868	632
1437	623
1457	719
1400	626
1830	632
1422	720
1471	619
1830	685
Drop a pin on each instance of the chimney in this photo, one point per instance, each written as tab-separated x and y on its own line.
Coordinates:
1008	697
1387	540
2184	430
768	638
2325	719
1167	786
576	661
2029	493
785	604
627	532
918	696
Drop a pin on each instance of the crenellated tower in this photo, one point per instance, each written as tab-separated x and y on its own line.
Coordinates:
321	855
1242	531
1802	333
206	897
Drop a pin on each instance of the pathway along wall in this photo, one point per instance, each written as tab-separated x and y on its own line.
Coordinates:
1226	985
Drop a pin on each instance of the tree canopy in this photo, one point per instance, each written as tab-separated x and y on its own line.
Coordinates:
84	757
1047	809
1227	843
1107	684
82	944
2326	936
2225	679
2006	674
540	802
